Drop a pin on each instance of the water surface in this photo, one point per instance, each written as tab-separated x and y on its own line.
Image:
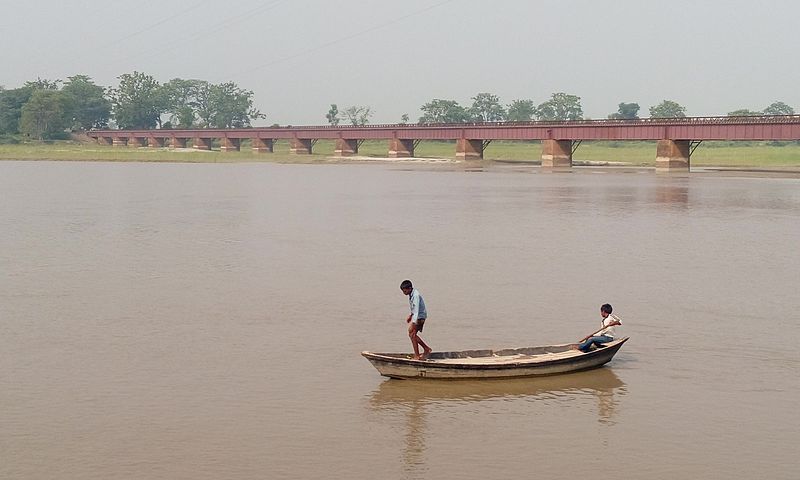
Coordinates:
204	321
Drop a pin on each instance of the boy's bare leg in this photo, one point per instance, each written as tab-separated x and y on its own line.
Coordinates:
412	334
427	350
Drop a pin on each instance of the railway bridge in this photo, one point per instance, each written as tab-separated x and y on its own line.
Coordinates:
676	138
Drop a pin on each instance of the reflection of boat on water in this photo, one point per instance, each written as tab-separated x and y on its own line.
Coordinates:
506	363
390	393
413	404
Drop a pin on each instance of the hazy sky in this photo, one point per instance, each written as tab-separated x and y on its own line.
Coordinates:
299	56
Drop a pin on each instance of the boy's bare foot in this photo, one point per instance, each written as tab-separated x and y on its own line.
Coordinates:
574	346
417	357
426	353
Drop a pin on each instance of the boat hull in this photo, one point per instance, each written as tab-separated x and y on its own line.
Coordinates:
396	366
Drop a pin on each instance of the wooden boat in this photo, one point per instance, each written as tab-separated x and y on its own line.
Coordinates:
505	363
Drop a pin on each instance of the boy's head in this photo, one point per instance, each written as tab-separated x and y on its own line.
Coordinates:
406	286
606	308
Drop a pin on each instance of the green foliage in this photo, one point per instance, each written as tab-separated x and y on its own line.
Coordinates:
182	101
743	112
779	108
626	111
44	115
85	103
486	108
443	111
561	106
11	102
43	84
358	115
668	109
404	119
333	115
224	105
138	102
521	111
231	106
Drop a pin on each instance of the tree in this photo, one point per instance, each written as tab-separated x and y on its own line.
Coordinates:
43	84
404	119
561	106
626	111
486	108
138	101
11	103
333	115
443	111
182	101
358	115
779	108
521	111
43	116
85	103
668	109
202	104
744	112
232	106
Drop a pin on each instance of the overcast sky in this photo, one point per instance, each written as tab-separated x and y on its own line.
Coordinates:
299	56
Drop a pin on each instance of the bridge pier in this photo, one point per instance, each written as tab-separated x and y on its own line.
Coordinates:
300	146
230	144
672	156
135	142
176	142
556	153
155	142
469	149
346	147
261	145
104	141
199	143
401	148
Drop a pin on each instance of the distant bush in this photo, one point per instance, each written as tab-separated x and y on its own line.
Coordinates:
8	139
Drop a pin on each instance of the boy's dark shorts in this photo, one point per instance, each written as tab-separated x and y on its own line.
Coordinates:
420	323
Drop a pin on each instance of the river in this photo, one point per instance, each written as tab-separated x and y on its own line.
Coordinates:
203	321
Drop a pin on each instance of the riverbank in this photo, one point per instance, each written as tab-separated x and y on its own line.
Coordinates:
761	155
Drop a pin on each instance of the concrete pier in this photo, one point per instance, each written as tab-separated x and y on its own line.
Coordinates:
672	156
199	143
469	149
346	148
557	153
401	148
300	146
230	144
262	145
135	142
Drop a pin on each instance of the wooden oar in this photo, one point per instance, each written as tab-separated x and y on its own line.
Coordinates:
595	333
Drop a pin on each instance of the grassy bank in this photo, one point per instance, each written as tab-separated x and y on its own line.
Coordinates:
751	154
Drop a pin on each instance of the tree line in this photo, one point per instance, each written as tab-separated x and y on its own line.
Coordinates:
49	109
486	107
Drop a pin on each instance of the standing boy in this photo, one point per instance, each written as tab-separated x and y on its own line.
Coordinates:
416	320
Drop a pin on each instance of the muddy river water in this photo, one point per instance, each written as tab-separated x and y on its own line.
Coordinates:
201	321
